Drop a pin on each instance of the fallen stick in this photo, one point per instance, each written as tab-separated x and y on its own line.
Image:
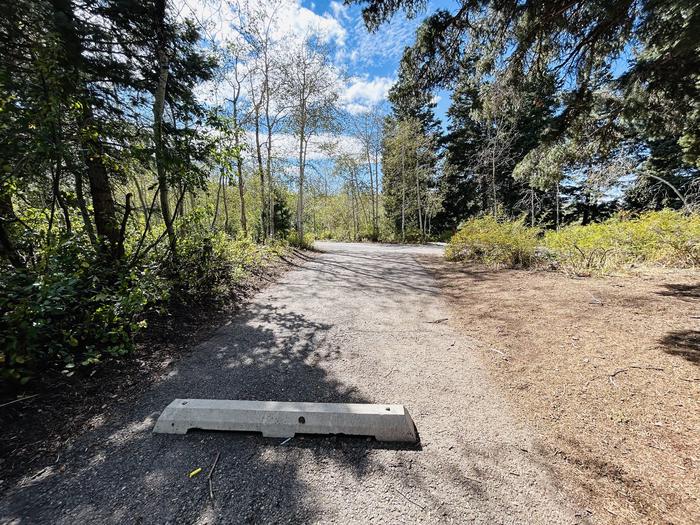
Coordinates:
505	356
409	499
621	370
611	512
211	491
18	400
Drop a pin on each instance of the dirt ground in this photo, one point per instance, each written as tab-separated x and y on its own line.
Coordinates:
606	370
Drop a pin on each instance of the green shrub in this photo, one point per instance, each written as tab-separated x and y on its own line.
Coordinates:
669	238
498	243
73	312
211	264
71	309
307	242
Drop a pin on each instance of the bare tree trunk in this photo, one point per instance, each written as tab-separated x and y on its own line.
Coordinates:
225	199
353	209
263	200
493	185
268	159
420	216
218	197
377	194
403	197
239	160
557	199
102	200
300	197
271	200
241	194
673	188
82	205
373	197
158	107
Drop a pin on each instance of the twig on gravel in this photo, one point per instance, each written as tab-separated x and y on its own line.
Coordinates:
505	356
621	370
211	490
409	499
389	372
437	321
18	400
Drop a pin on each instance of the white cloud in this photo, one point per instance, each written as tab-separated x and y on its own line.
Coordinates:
285	146
291	19
386	44
295	19
363	92
340	10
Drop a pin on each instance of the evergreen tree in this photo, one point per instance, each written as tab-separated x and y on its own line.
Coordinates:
654	103
408	160
460	183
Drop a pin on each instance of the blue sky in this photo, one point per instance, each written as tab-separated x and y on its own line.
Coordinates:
373	59
367	62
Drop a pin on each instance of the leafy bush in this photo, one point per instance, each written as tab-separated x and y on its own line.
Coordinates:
669	238
211	264
498	243
307	242
72	313
326	235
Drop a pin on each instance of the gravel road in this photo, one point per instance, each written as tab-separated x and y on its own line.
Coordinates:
358	323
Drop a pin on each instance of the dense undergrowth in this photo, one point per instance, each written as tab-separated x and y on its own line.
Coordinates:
665	238
307	242
494	242
73	308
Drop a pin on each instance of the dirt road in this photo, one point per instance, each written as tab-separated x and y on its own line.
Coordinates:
359	323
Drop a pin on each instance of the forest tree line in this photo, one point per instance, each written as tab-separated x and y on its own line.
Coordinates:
561	112
141	167
148	161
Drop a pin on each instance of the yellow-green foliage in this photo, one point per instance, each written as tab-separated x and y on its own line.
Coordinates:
307	242
498	243
668	238
211	264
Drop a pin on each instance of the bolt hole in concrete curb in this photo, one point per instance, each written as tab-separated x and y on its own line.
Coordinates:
386	423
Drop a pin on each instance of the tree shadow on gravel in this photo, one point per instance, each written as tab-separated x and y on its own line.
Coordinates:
684	292
122	473
683	343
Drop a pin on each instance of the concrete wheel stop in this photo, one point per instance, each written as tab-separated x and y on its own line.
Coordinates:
285	419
